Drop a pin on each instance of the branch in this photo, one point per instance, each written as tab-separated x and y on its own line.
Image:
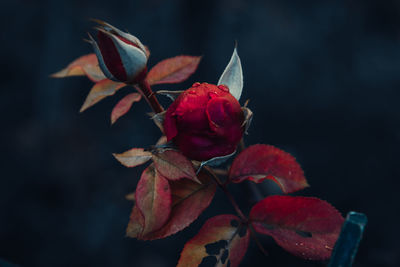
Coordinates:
151	98
254	236
227	193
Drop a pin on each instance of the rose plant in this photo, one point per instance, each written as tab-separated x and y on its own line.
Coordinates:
201	130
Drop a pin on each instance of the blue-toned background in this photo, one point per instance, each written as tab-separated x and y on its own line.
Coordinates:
323	78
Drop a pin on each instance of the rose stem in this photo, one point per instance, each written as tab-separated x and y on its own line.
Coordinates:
227	193
242	146
255	238
236	207
258	197
256	192
150	96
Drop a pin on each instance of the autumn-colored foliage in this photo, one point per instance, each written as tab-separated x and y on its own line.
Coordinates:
222	240
85	65
270	163
305	226
173	70
124	105
202	129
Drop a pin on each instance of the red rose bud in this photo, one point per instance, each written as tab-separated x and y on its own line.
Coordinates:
122	57
205	122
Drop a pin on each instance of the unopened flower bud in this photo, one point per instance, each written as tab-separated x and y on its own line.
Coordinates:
205	122
122	57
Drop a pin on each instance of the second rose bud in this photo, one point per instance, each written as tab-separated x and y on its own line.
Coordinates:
122	57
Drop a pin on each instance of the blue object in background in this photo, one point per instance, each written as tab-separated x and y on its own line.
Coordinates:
347	245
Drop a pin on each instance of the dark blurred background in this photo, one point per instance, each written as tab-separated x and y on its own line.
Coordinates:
323	78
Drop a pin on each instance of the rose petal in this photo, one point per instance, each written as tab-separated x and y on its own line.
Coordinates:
111	56
170	128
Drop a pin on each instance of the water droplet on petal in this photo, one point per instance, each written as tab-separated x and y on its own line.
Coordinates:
223	88
196	84
212	95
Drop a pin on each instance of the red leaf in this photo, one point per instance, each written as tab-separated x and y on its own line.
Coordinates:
260	162
173	165
133	157
123	106
221	240
173	70
99	91
189	200
306	227
153	204
85	65
136	223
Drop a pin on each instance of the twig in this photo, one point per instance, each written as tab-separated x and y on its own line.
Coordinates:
227	193
255	238
242	146
150	96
